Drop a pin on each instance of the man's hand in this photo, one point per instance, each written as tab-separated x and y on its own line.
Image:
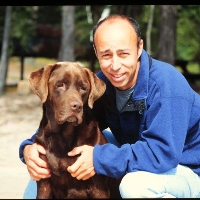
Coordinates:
37	167
83	168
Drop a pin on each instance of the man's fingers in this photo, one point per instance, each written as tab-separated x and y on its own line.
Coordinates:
83	168
88	173
40	149
37	173
75	151
76	165
42	163
73	168
34	159
37	167
37	177
81	173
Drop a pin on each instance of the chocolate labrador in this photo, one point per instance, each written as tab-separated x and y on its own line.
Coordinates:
66	90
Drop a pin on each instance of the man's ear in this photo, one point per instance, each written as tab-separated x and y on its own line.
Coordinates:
140	48
95	51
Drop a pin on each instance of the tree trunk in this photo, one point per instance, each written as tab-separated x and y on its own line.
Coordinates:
66	52
96	12
4	51
149	27
167	30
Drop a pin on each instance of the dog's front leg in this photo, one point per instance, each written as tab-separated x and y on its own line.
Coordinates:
44	190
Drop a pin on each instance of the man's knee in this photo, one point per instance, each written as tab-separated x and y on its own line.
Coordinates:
132	185
139	185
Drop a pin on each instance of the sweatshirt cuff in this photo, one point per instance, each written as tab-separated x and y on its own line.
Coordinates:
23	144
21	149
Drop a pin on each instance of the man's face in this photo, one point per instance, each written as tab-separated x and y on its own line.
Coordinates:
118	52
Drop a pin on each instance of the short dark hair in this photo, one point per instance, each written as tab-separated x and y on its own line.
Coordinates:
132	22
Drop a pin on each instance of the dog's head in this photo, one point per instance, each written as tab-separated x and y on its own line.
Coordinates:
67	87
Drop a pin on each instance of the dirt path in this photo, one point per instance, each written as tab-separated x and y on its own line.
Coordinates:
19	118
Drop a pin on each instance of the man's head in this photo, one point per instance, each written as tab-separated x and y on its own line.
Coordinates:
118	46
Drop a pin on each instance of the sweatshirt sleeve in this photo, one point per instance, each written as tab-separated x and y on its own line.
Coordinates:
23	144
160	143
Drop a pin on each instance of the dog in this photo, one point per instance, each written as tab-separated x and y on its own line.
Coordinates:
66	91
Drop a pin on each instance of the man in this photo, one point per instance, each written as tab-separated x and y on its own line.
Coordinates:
152	112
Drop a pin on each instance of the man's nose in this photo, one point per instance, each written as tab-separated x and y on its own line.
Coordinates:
115	63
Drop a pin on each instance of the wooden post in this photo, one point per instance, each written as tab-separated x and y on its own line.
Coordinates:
22	68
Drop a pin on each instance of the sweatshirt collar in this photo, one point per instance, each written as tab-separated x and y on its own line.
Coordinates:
141	86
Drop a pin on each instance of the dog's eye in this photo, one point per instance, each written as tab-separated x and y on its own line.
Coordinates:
60	84
83	86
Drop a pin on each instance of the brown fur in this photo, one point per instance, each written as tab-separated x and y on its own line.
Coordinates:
66	89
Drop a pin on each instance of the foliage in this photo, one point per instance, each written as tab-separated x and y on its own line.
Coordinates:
188	32
49	15
23	24
143	21
26	18
2	20
82	32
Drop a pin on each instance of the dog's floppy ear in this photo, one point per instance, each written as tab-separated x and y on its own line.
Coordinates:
39	81
98	87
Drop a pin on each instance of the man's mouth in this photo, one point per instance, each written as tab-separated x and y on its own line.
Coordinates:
117	77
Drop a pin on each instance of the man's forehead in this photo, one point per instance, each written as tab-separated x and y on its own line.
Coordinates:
112	29
116	22
109	49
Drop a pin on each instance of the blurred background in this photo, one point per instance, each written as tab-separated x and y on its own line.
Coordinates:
32	34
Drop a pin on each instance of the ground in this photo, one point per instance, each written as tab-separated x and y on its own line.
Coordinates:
20	116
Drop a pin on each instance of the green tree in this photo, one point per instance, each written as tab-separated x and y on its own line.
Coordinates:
26	19
188	33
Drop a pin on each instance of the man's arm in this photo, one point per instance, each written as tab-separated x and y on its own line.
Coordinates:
29	153
23	144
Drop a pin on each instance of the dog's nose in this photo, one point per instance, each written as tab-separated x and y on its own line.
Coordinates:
76	106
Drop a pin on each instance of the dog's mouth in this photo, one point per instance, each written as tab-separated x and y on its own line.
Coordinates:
74	119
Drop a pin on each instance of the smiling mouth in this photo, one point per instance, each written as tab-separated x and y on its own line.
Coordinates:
117	77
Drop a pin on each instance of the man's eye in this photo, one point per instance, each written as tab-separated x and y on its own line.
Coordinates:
106	55
124	53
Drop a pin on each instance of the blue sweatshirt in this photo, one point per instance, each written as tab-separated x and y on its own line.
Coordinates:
158	128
